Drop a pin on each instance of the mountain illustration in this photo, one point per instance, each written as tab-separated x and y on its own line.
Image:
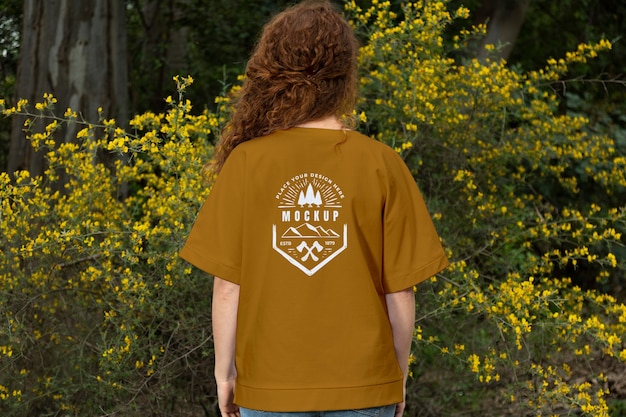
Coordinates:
307	230
310	198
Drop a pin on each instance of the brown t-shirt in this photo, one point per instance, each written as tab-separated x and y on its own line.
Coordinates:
315	225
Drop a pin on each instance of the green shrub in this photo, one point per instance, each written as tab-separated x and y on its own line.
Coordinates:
502	170
100	315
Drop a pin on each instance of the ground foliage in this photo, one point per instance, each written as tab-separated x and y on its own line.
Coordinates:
101	317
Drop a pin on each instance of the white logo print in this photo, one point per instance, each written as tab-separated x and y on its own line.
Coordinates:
310	234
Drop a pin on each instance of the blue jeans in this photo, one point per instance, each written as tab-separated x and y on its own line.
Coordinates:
384	411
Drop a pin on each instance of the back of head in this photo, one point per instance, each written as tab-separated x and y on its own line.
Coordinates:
306	58
303	68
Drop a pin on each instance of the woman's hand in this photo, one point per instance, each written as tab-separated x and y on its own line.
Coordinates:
400	409
225	306
225	395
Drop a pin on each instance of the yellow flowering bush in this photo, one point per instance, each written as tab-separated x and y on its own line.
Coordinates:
101	317
530	203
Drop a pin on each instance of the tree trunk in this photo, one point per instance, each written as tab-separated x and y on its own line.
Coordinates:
75	50
504	20
162	54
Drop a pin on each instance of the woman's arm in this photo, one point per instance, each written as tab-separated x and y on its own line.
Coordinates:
401	311
224	318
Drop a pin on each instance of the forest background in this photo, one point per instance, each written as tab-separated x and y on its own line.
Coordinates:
509	113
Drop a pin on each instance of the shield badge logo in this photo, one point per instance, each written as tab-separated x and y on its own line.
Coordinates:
310	232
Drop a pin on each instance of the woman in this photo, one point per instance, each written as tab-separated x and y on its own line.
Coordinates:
315	234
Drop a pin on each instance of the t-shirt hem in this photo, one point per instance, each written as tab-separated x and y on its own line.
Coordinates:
318	399
210	266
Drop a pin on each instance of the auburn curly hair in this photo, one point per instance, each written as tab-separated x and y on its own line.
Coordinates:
303	68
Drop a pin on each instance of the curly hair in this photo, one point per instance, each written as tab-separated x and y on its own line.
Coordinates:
303	68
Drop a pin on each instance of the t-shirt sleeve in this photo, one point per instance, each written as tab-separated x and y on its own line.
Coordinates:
215	242
412	251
